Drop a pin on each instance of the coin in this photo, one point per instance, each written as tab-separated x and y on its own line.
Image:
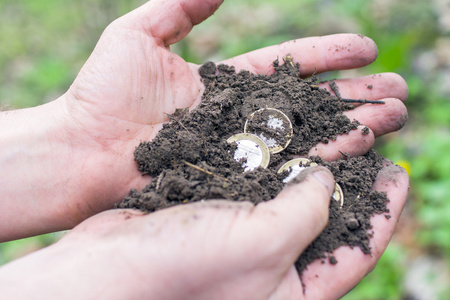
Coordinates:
252	149
338	195
272	126
295	167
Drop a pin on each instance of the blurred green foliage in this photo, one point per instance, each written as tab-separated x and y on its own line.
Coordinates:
15	249
44	44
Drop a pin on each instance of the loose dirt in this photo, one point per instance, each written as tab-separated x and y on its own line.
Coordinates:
190	159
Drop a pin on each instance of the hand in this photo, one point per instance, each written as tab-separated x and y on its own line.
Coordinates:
123	93
132	81
206	250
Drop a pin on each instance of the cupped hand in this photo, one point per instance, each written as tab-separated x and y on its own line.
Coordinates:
207	250
132	81
211	250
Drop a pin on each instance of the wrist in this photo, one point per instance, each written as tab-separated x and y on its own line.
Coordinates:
30	168
60	271
60	164
68	269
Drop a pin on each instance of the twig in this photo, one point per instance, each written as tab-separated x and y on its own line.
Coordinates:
203	170
260	80
179	122
158	182
344	155
362	101
178	115
335	89
289	60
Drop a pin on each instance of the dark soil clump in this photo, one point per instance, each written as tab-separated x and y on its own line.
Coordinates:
191	160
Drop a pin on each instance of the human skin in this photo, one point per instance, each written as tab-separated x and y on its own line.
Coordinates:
206	250
73	158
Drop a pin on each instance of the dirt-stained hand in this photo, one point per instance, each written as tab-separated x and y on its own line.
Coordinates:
206	250
124	92
211	250
132	81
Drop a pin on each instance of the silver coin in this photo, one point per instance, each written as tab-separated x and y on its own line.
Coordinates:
252	149
272	126
295	167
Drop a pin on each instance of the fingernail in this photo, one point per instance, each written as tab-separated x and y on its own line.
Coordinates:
326	178
322	174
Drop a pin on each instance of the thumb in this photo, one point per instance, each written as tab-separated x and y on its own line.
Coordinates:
169	20
300	213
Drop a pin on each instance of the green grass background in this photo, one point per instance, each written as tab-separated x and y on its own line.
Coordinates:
44	43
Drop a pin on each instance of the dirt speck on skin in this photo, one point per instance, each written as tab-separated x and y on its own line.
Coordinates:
190	159
365	131
332	260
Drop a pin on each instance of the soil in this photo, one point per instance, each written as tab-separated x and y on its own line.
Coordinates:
191	160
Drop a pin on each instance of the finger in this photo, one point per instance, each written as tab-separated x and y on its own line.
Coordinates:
388	87
289	288
315	54
169	20
381	118
294	218
103	223
326	281
355	143
372	87
394	181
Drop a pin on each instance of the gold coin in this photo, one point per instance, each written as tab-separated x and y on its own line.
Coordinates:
295	167
252	149
338	195
272	126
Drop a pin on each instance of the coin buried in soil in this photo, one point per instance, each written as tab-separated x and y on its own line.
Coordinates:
272	126
295	167
251	148
338	195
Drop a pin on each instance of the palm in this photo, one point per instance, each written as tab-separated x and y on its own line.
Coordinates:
137	83
122	96
143	82
132	81
234	250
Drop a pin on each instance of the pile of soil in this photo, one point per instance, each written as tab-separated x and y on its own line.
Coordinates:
191	160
